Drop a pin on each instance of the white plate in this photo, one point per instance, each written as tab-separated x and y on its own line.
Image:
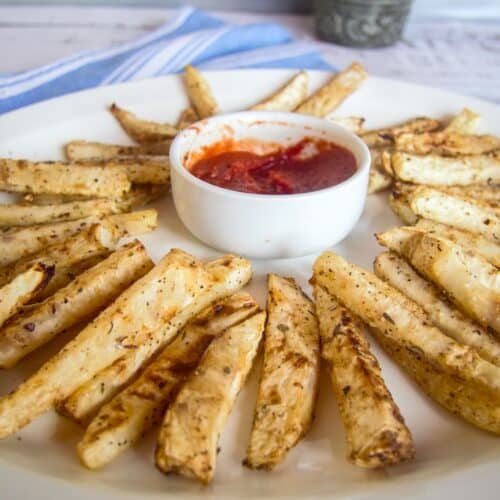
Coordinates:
453	458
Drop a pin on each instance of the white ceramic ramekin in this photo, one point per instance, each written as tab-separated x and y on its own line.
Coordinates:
259	225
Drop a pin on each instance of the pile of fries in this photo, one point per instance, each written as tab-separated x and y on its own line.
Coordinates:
171	345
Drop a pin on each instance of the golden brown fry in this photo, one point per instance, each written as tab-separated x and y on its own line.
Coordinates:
452	374
18	243
188	439
62	178
465	122
142	194
132	412
400	205
441	171
187	117
447	143
352	123
83	403
149	313
379	179
199	92
144	170
470	281
143	131
95	241
288	97
289	380
80	300
398	273
473	242
375	430
85	150
330	96
22	289
463	213
30	215
384	137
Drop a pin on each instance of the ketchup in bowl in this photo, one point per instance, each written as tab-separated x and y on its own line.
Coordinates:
309	165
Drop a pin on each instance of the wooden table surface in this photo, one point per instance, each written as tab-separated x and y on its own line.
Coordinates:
453	53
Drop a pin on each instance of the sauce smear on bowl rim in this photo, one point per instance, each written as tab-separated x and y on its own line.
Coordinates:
308	165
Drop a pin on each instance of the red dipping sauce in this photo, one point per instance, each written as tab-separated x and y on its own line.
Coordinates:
309	165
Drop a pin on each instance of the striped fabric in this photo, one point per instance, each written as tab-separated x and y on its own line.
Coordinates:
191	36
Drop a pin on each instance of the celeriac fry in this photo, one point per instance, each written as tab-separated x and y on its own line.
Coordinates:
85	150
352	123
384	137
84	402
375	430
447	143
189	435
288	97
289	380
131	413
452	374
463	213
142	194
148	313
43	199
199	92
143	131
465	122
187	117
61	178
144	170
18	243
400	205
29	215
81	299
441	171
378	180
22	289
398	273
330	96
469	281
97	240
470	241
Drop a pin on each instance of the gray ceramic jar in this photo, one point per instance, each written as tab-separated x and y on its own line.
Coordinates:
361	23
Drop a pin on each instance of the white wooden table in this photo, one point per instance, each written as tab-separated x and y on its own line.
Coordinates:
461	55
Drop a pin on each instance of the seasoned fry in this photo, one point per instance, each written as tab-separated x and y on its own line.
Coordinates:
351	123
199	92
142	194
95	241
463	213
142	404
187	443
81	299
447	143
398	273
376	432
187	117
384	137
144	170
85	150
18	243
441	171
61	178
149	313
143	131
400	205
452	374
466	122
288	97
379	179
470	281
22	289
29	215
472	242
55	199
330	96
289	380
83	403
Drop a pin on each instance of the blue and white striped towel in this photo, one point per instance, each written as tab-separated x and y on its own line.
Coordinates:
192	36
